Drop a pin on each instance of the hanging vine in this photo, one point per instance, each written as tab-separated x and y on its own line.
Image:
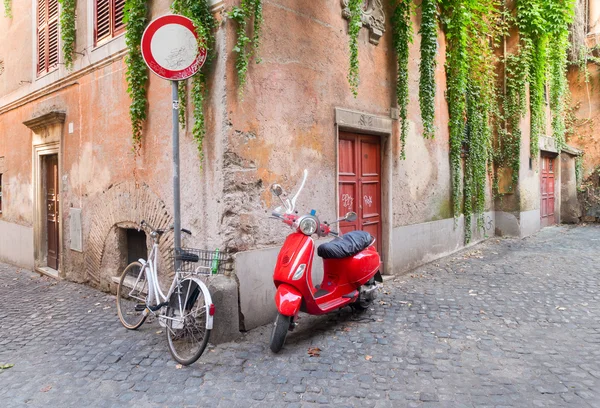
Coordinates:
247	44
8	8
135	20
402	37
559	16
354	26
205	24
457	71
513	105
558	86
471	61
67	30
427	85
541	21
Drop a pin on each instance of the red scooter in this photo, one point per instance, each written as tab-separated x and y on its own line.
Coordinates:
351	268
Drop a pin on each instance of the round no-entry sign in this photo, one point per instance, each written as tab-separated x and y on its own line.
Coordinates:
170	47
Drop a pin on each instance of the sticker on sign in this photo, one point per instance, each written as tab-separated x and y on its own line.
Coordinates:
170	48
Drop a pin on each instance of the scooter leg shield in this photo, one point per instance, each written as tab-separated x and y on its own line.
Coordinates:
288	300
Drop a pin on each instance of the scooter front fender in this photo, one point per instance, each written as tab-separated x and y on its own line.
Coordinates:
288	300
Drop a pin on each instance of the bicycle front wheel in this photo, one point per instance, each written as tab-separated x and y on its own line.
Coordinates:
131	296
186	322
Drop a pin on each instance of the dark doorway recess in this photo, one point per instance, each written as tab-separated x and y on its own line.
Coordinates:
136	245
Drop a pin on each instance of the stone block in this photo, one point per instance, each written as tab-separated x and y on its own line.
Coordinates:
224	293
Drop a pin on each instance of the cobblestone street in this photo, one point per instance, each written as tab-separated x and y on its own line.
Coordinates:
504	323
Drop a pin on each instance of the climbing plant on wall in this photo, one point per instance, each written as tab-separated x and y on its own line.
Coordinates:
558	16
8	8
402	37
513	107
135	19
541	22
67	30
248	39
354	26
205	23
457	70
470	28
427	85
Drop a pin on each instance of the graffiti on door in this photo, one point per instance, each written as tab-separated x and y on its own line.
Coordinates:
347	201
368	201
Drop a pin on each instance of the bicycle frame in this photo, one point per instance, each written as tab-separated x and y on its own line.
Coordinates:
156	295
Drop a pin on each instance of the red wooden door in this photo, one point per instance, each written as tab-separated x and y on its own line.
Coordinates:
547	191
360	183
52	215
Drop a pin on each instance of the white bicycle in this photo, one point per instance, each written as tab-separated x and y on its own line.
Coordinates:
186	311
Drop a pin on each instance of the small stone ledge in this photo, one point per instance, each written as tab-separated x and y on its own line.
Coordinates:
50	118
354	120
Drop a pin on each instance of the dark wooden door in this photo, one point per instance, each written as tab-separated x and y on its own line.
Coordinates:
547	191
52	215
360	183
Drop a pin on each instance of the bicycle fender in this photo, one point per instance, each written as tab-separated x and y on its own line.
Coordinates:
288	300
208	300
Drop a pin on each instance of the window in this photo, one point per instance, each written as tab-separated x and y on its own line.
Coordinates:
108	19
47	35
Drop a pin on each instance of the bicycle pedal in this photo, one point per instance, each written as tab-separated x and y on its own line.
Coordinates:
140	307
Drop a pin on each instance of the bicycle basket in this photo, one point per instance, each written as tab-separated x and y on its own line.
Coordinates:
200	261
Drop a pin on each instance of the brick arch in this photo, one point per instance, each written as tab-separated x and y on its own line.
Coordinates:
123	203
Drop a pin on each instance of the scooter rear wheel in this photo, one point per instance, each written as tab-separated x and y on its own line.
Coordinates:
364	302
279	333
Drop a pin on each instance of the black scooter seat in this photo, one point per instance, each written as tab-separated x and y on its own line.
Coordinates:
348	245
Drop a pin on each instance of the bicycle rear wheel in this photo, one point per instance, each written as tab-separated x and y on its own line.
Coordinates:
131	296
186	322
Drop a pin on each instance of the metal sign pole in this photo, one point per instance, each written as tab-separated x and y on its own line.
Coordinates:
158	48
176	185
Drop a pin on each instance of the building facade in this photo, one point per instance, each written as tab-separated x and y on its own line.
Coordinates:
74	188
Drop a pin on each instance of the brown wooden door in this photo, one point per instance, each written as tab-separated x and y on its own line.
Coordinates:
52	215
360	183
547	191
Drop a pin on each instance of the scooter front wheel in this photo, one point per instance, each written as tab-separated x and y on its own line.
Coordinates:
279	333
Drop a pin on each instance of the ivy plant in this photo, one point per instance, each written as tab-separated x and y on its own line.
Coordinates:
8	8
559	15
67	30
402	32
455	15
427	66
135	19
513	105
204	22
247	43
471	75
354	26
540	22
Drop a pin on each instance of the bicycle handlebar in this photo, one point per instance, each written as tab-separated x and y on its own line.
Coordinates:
159	231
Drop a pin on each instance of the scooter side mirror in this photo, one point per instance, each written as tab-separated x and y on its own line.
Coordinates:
351	216
277	190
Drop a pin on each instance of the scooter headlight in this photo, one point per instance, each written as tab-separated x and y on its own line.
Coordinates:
308	225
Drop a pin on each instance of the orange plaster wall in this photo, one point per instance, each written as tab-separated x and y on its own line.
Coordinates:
285	121
585	101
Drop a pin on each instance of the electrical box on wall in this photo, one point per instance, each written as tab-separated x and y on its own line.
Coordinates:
75	233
